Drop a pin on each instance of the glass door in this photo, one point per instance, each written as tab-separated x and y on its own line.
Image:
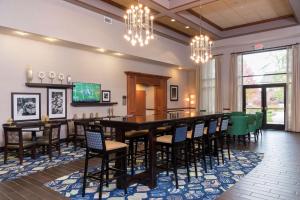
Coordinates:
253	100
275	107
269	99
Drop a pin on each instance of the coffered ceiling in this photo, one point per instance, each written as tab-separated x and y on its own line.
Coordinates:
181	19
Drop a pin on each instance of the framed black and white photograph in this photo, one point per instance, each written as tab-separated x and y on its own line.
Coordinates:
105	96
57	103
26	106
173	92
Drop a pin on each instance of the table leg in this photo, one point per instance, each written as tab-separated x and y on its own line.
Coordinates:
152	158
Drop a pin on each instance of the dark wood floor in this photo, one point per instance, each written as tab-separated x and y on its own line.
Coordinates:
277	177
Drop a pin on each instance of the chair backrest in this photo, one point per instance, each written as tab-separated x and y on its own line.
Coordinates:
70	127
13	135
237	114
212	126
95	126
95	140
259	119
180	132
239	125
52	131
80	128
198	129
224	123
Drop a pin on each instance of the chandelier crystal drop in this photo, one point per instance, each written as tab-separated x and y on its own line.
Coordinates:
139	25
201	49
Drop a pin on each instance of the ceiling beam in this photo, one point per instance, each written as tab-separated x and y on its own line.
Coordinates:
208	28
295	4
177	17
261	27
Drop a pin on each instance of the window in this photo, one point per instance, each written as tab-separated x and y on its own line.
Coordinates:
208	83
265	67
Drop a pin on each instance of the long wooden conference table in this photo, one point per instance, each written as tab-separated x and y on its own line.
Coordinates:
151	122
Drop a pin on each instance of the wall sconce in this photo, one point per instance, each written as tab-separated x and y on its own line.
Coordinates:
191	100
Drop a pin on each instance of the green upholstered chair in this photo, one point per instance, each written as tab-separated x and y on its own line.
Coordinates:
237	114
239	126
259	121
252	125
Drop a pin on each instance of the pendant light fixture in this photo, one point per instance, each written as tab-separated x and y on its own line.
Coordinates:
139	25
201	47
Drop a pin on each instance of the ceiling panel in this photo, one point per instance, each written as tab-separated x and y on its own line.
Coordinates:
176	26
125	4
233	13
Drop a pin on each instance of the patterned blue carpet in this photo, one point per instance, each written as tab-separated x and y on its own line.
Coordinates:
13	169
207	186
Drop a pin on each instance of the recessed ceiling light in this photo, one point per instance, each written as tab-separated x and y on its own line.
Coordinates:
118	54
21	33
173	20
50	39
101	50
187	27
180	68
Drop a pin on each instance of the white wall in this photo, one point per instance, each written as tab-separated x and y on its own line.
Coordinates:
65	21
82	65
269	39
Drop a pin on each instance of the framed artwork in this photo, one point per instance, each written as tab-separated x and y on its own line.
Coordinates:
105	96
57	103
26	106
173	92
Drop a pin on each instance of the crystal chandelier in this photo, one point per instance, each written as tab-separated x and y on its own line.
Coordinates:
201	47
139	25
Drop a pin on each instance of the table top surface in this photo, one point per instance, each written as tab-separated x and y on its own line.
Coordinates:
162	117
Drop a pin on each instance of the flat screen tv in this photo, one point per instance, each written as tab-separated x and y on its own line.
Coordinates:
86	92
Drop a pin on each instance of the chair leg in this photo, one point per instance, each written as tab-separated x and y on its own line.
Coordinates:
174	160
209	154
21	154
187	161
33	152
131	156
228	139
195	160
103	163
5	155
86	165
75	144
216	146
107	170
168	157
50	152
135	150
146	152
59	151
125	173
203	152
221	141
